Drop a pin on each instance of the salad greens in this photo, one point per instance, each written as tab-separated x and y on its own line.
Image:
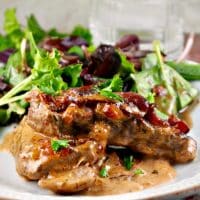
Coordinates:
190	71
15	32
35	28
31	67
179	92
46	74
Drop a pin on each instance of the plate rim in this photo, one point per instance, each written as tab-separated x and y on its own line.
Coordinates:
167	190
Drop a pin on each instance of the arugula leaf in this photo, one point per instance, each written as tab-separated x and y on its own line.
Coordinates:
176	85
77	51
185	92
73	73
5	113
56	145
149	61
13	70
146	80
190	71
179	92
82	32
11	73
35	28
128	162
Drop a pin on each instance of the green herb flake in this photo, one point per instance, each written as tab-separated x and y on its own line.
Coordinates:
104	172
138	172
114	85
56	145
111	95
128	162
150	98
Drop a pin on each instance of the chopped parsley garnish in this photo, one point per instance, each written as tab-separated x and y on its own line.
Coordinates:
138	172
114	86
56	145
128	162
111	95
150	97
104	172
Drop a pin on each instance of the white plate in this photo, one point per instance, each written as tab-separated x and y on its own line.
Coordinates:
187	181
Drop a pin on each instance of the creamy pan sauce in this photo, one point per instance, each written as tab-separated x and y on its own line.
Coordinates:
155	172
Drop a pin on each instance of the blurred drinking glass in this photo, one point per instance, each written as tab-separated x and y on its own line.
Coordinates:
148	19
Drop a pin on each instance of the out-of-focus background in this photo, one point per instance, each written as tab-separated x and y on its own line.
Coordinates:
65	13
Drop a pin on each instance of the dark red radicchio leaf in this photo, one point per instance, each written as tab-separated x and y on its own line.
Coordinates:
136	99
4	55
63	44
128	41
4	86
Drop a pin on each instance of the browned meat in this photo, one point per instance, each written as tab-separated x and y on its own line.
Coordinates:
130	123
162	142
90	123
35	157
74	180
